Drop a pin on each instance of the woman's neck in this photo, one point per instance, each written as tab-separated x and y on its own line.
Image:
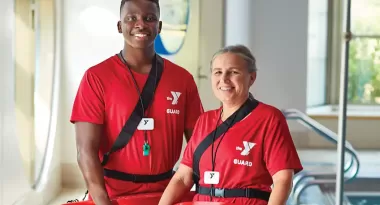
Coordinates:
229	109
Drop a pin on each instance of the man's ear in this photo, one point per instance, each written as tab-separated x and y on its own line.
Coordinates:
119	27
159	26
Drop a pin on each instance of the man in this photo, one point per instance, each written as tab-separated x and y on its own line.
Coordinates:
111	97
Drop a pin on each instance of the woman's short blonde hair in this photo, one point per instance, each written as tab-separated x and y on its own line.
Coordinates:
241	51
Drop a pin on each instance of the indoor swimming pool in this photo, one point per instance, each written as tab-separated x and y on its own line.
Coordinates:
364	199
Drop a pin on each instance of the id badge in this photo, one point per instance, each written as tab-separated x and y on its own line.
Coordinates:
211	177
146	124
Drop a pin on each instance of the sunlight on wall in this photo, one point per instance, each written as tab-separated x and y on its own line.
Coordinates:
42	122
24	53
43	79
14	168
99	22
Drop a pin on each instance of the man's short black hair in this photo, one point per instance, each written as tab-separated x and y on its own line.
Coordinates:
154	1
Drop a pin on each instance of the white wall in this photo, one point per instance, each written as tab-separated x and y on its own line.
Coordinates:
362	133
211	39
13	180
24	84
317	52
15	184
276	33
90	36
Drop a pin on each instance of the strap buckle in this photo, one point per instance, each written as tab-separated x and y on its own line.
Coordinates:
218	192
247	193
134	178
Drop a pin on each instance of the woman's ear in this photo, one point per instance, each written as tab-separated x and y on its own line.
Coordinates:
119	27
252	78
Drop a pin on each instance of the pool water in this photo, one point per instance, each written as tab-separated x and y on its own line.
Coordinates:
364	200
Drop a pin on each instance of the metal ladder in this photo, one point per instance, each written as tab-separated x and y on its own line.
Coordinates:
310	178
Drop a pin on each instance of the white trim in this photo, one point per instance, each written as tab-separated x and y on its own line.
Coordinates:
365	36
46	168
352	110
13	181
361	193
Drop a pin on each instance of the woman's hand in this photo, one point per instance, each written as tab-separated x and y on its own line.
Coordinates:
282	181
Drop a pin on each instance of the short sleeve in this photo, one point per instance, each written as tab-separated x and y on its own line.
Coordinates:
279	150
194	106
188	153
89	103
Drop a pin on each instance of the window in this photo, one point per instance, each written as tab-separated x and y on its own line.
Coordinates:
325	33
317	52
364	55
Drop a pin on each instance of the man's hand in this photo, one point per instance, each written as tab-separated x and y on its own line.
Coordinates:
88	139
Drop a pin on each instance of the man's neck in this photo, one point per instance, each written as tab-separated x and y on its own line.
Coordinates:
139	60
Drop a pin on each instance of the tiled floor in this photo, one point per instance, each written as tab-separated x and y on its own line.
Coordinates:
68	194
370	167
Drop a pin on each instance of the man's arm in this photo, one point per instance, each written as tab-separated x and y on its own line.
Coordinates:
188	133
88	139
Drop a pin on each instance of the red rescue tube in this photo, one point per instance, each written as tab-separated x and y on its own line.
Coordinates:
138	199
204	203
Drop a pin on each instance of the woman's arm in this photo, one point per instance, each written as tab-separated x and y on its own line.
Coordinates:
281	158
178	186
282	182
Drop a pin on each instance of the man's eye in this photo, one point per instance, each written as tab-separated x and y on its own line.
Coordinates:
131	18
150	18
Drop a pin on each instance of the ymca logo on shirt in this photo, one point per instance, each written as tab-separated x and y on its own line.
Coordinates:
247	148
174	98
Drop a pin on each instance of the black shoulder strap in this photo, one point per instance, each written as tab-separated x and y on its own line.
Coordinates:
249	105
134	119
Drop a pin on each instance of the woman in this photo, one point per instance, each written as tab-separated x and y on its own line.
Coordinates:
238	151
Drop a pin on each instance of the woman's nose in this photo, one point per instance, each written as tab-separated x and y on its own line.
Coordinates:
225	77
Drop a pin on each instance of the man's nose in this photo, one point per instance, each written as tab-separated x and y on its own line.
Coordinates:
140	24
